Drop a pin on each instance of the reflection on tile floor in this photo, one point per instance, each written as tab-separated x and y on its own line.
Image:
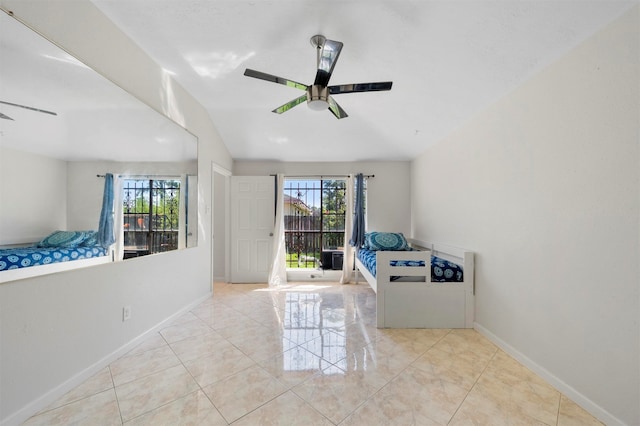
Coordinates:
310	354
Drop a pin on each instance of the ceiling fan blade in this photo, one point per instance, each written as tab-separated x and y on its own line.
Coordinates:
336	109
360	87
6	117
286	107
274	79
28	107
327	61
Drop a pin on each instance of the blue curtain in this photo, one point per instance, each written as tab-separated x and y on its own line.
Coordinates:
105	227
357	236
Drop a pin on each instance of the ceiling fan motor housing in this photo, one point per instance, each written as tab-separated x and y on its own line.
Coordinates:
318	97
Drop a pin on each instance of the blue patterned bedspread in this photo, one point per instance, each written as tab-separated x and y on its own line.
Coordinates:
15	258
441	270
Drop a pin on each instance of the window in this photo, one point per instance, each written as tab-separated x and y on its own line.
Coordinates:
151	216
314	220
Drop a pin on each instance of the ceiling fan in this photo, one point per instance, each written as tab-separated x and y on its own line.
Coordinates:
6	117
318	95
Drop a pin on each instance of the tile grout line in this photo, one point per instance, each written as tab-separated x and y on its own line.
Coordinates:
287	388
180	363
200	388
392	378
113	383
391	341
473	386
92	394
238	372
291	388
147	375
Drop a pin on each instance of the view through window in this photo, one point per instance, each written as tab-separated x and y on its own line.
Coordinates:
314	220
151	216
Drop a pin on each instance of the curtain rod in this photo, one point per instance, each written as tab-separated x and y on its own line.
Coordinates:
145	176
321	176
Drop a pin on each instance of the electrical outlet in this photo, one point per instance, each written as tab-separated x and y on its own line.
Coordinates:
126	313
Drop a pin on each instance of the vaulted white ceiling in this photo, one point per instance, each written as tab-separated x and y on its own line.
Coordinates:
94	119
448	60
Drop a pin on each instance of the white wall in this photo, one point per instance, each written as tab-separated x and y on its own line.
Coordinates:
388	193
33	196
56	330
544	186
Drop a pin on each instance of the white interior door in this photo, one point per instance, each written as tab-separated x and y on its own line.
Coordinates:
252	220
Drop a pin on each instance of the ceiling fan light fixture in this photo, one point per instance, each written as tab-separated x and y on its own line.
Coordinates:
318	105
318	97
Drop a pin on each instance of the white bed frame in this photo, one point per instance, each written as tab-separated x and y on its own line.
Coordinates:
37	270
404	304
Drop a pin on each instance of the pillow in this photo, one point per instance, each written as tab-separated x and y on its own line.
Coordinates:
91	239
67	239
385	241
444	271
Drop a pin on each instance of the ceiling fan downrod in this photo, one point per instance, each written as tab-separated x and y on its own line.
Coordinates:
317	41
318	96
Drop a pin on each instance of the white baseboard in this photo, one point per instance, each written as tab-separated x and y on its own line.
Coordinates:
584	402
50	397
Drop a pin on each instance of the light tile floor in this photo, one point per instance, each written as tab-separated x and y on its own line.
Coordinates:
310	354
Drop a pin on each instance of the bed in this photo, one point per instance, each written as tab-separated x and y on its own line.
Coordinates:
419	284
59	251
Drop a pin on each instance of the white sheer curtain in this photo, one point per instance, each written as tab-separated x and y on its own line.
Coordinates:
278	272
118	218
347	263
